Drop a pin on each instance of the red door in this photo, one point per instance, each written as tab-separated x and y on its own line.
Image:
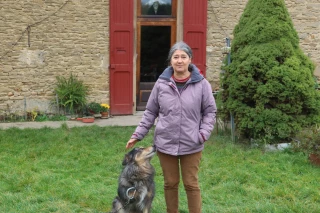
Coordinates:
195	29
121	57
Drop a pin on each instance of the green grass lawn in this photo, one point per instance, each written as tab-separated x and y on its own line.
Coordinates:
76	170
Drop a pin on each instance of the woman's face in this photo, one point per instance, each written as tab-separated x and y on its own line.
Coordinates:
180	61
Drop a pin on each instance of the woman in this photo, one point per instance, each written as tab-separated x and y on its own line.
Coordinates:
183	102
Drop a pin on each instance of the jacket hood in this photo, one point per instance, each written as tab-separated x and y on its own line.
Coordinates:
195	74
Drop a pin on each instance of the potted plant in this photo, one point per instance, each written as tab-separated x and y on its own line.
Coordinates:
94	108
104	110
87	115
309	143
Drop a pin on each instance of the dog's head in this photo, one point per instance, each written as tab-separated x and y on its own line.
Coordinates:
139	155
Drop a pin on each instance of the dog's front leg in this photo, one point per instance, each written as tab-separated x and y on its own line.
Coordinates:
122	193
117	206
142	192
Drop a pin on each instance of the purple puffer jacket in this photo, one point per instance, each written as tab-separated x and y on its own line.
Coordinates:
185	120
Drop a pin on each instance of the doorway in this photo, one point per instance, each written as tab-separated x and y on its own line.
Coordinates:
125	43
156	32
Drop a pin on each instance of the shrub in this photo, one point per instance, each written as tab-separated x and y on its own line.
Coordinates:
269	85
308	141
71	93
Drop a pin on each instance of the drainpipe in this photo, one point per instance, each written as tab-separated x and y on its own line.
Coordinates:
233	127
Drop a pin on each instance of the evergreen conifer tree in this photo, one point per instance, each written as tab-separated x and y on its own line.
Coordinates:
269	85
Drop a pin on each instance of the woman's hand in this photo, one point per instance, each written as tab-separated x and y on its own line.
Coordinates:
131	143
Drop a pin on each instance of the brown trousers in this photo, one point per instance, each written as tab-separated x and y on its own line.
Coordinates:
189	165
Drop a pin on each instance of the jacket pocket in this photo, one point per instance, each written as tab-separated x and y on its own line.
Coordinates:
201	138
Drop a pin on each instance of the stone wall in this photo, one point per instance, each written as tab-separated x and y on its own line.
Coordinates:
223	15
75	39
72	36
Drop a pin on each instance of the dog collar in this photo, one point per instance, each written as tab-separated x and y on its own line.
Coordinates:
128	191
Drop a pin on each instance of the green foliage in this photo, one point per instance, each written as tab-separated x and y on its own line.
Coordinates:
71	93
94	107
316	84
46	117
308	141
32	115
57	118
269	85
42	117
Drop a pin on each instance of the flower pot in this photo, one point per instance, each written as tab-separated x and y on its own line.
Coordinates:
97	115
314	159
88	119
104	114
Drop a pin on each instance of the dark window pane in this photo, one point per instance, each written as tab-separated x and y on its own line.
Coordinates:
156	7
155	45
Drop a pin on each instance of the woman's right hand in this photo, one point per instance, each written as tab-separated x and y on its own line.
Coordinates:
131	143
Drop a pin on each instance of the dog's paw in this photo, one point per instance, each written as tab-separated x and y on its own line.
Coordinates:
116	205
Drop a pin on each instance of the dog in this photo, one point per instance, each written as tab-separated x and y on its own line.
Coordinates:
136	187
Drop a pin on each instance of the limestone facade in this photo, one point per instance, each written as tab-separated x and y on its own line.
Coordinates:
72	36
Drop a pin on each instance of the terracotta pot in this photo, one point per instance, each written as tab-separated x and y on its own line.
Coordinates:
88	119
314	159
104	114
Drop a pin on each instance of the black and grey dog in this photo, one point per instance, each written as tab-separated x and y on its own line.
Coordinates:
136	187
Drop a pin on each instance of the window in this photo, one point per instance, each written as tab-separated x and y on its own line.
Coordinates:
157	8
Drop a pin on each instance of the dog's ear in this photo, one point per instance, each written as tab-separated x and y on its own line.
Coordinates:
127	159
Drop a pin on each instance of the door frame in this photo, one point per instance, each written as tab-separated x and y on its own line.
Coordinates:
138	45
150	20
